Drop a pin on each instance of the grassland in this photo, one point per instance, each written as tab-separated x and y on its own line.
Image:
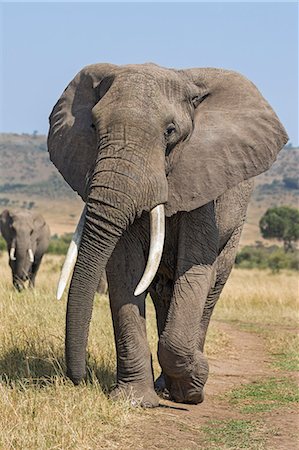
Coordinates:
41	409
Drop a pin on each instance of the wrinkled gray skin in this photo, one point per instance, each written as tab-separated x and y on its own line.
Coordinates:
128	138
24	230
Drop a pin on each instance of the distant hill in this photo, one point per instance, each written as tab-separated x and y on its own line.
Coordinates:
26	168
280	183
28	179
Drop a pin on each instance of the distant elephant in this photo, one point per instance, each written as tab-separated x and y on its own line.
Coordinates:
27	237
138	143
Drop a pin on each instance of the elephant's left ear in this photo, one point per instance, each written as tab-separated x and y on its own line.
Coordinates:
236	136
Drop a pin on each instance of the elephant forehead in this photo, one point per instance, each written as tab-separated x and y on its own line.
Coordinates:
151	83
22	219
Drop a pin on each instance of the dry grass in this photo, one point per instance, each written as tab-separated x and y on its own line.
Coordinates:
257	296
41	409
267	304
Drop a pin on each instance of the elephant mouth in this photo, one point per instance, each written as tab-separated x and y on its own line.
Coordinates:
157	236
21	284
18	284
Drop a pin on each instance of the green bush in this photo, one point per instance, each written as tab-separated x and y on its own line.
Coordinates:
261	257
59	245
250	257
2	244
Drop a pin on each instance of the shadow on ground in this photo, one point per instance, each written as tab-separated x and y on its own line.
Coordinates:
24	367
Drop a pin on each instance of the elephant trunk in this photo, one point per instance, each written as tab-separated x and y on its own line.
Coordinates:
20	261
100	235
119	191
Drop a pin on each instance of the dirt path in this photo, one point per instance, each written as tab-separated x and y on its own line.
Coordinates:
176	426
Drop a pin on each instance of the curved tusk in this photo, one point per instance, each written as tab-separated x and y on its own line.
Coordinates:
71	257
12	254
31	256
157	229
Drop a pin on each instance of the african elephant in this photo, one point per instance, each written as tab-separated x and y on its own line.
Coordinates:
163	160
27	237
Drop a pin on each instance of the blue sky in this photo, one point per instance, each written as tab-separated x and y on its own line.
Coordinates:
43	45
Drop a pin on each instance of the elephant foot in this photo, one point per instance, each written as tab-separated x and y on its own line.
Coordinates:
137	395
182	392
184	375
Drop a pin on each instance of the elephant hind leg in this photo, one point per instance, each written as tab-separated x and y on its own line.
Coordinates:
161	292
225	263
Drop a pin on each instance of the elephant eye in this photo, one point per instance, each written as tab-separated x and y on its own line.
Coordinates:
170	129
198	99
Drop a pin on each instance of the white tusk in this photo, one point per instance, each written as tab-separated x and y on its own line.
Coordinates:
12	254
157	229
71	257
31	256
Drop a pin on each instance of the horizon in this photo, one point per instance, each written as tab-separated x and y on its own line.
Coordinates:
42	49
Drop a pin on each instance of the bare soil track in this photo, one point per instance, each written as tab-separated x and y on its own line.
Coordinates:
175	426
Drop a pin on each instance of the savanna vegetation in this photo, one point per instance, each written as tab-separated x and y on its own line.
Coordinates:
41	409
281	223
262	257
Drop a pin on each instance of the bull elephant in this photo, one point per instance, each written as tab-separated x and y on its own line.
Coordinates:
164	161
27	237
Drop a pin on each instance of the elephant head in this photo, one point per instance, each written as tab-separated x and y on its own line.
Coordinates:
20	230
140	138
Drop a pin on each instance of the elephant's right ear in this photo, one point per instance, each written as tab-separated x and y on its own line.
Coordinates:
72	142
4	215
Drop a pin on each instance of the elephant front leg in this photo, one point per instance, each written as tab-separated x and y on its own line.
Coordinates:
184	365
134	363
